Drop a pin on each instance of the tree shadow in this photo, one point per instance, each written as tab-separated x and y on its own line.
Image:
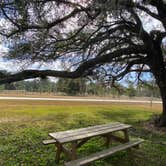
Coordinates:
125	116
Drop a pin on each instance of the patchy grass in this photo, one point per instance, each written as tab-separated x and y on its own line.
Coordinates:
24	124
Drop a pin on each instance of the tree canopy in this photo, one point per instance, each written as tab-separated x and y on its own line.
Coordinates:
103	38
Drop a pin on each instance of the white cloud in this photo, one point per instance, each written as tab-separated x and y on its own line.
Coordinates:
3	50
14	66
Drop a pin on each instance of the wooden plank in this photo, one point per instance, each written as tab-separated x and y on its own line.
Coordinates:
103	154
76	131
85	132
68	132
92	134
51	141
62	134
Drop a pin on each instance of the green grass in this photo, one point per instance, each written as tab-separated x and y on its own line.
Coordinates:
24	124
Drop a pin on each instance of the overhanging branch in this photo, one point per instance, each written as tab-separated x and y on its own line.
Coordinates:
82	70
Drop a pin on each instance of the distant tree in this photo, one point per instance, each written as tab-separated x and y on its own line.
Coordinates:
10	86
149	89
117	89
2	87
70	86
131	92
39	85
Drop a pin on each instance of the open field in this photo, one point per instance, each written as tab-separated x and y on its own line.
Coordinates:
24	124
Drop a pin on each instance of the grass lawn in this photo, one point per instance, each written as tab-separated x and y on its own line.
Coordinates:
24	124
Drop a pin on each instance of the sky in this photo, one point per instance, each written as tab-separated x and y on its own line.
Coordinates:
12	66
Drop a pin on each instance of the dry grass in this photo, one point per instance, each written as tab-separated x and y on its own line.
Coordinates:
9	103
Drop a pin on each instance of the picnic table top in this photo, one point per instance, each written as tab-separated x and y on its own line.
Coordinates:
88	132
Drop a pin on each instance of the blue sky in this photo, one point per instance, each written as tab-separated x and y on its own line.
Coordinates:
149	24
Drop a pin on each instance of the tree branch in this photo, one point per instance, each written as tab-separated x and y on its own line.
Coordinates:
84	69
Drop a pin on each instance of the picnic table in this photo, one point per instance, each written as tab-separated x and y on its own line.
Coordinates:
78	137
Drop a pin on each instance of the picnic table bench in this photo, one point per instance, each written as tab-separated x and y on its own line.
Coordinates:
78	137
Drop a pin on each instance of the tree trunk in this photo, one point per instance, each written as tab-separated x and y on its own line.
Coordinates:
160	76
157	65
162	120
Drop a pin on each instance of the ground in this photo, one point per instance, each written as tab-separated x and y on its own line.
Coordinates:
24	124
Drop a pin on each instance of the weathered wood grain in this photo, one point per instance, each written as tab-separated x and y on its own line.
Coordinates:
103	154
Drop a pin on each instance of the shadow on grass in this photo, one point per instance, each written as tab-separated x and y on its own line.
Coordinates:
125	115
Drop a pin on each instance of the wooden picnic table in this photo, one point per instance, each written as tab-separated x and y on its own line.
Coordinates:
78	137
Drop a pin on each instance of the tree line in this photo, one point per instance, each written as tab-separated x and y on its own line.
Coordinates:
83	86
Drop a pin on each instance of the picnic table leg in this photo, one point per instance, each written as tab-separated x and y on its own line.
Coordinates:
58	152
126	135
108	140
74	150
